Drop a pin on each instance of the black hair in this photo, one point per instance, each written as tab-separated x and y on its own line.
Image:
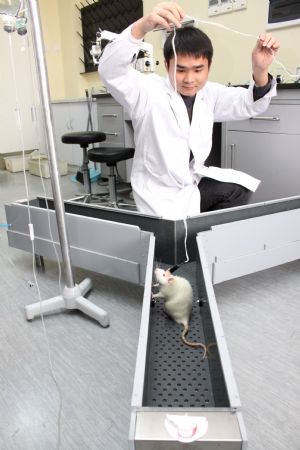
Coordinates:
189	41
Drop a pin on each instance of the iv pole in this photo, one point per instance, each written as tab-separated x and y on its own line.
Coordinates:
72	295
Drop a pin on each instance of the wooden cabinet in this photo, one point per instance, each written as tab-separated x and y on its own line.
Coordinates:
268	147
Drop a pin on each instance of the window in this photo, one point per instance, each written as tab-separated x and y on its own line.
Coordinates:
283	13
109	15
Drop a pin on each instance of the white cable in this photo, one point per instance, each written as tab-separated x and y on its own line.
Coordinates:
43	184
175	88
49	226
31	231
291	75
219	25
175	59
185	239
216	24
20	130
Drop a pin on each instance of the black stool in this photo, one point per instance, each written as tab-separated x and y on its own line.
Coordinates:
111	156
84	139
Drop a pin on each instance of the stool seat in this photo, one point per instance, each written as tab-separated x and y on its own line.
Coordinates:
83	138
110	155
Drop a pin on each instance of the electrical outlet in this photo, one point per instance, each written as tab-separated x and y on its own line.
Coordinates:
213	7
226	6
216	7
239	4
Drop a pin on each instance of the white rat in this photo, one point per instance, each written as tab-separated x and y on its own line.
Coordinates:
177	293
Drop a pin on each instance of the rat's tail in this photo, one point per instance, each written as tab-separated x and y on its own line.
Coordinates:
192	344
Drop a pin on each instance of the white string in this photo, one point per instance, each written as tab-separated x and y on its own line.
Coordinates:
185	239
216	24
20	130
45	191
175	59
291	75
59	416
175	88
219	25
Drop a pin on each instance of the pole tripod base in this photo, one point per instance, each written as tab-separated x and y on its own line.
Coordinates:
71	298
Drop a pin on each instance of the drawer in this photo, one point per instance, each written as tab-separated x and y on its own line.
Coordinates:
273	159
277	119
113	139
110	121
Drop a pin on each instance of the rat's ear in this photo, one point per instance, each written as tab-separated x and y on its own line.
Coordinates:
170	279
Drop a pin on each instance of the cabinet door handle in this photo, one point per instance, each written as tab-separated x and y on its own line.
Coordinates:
110	115
111	134
269	118
232	151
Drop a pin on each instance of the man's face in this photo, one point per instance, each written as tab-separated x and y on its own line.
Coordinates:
191	73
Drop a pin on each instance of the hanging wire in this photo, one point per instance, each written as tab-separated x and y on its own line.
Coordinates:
232	30
31	233
216	24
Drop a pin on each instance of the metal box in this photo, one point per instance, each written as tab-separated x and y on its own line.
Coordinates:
180	401
170	234
121	251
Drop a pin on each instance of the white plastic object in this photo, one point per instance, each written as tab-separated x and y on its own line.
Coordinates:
184	428
9	7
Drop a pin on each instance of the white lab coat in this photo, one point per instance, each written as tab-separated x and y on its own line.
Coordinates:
164	183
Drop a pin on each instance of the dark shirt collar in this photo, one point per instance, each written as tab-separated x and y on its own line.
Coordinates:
189	101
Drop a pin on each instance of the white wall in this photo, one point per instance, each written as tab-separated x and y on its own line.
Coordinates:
60	24
20	112
231	63
53	39
232	52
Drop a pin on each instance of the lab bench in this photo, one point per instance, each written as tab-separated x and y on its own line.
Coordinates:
113	120
268	146
265	146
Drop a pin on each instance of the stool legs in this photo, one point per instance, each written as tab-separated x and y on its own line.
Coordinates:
85	172
112	186
106	198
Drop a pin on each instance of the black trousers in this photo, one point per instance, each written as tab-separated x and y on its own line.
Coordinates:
219	195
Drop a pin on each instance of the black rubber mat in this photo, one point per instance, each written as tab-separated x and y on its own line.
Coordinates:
177	375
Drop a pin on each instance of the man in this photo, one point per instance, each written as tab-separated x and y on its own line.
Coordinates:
173	118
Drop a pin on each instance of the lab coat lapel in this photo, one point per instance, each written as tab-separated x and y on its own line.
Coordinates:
200	131
179	109
199	114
